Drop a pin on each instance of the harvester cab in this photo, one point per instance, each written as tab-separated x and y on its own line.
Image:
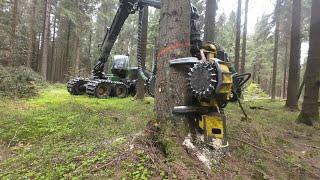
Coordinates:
120	66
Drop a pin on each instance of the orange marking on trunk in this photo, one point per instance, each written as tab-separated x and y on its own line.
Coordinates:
172	47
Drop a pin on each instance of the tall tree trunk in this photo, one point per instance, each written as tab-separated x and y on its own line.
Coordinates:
310	106
45	44
172	85
238	38
275	51
65	65
78	52
244	40
53	57
89	49
210	21
39	51
144	36
13	34
32	35
295	50
285	70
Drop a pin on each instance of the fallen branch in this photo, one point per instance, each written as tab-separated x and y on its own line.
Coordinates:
274	154
117	159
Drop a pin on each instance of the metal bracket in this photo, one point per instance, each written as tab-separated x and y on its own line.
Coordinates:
191	109
184	61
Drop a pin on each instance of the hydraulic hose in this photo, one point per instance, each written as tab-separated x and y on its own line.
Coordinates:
142	73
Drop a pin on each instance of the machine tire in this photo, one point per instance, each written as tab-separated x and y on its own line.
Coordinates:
76	86
103	90
121	91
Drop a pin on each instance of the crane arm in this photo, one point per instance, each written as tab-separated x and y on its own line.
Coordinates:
126	8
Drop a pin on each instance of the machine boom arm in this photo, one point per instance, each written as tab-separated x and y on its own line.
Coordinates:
126	8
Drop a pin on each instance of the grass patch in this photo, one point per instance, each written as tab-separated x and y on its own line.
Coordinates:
53	135
59	136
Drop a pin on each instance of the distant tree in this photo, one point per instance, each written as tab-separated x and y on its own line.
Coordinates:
238	38
144	36
285	71
32	34
226	33
13	33
209	28
172	85
310	107
244	39
276	48
294	64
45	40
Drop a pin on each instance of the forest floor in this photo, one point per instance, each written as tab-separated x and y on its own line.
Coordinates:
56	136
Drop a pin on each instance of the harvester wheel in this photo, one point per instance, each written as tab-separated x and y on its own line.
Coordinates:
76	86
103	90
121	91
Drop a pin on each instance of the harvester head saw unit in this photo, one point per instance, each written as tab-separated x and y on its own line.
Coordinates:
211	80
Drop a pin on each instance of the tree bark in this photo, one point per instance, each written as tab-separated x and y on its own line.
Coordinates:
275	51
65	65
45	40
310	109
140	86
285	70
53	58
210	20
244	40
32	35
172	84
13	34
78	52
238	34
295	51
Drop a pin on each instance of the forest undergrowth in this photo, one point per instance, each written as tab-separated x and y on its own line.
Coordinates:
56	135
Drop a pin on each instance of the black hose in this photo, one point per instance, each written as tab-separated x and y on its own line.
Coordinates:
139	53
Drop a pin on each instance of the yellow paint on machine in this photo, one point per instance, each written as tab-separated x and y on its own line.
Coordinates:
212	125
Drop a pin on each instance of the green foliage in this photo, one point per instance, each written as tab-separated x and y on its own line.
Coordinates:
19	82
254	91
139	170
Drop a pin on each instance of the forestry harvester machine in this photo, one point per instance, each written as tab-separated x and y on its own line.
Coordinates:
212	80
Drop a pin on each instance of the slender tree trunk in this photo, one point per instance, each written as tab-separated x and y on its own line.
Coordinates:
310	108
65	65
77	60
285	70
210	21
238	38
89	50
32	34
244	40
275	51
140	85
44	59
53	57
13	34
172	84
294	66
39	51
254	72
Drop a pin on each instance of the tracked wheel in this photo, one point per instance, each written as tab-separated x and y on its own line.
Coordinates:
76	86
99	89
121	90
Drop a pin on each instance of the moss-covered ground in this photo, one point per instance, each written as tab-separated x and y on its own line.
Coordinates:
58	136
